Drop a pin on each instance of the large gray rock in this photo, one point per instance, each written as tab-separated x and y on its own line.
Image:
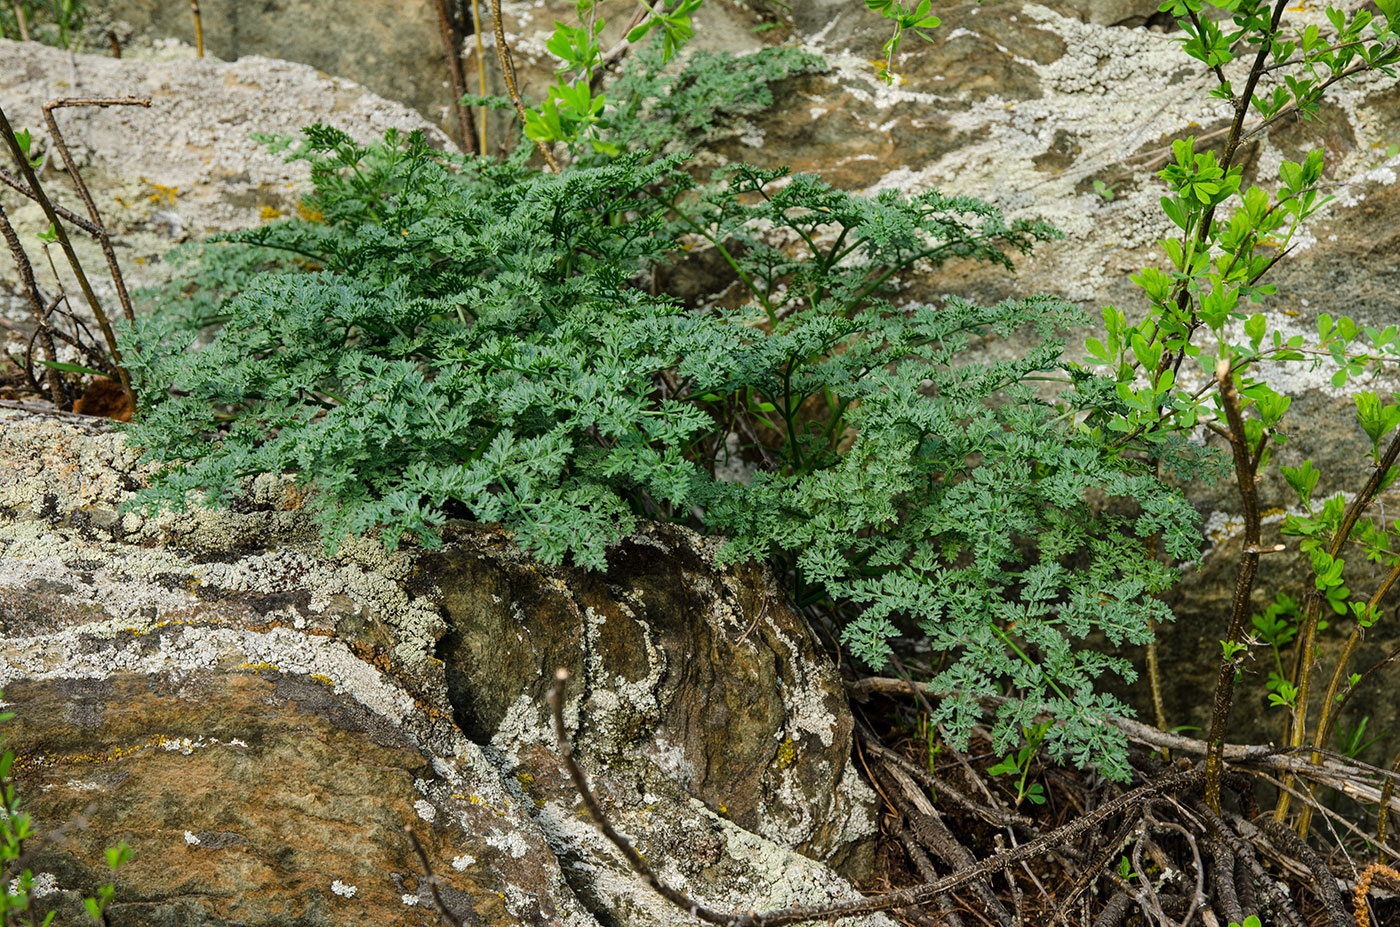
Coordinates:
392	47
261	721
187	166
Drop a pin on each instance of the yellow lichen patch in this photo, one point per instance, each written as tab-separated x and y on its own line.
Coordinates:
310	215
480	802
258	667
326	679
40	760
787	754
268	213
162	192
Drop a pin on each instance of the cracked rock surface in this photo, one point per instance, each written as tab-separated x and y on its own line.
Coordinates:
261	721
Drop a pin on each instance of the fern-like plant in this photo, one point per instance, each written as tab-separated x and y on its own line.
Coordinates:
466	337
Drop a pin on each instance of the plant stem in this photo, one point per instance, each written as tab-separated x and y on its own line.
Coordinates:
508	74
98	230
1244	583
198	28
62	235
58	392
1327	720
452	47
480	71
21	21
1308	639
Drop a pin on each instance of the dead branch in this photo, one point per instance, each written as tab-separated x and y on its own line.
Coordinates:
1173	781
943	787
99	230
452	37
927	872
61	234
58	390
1324	881
1351	777
928	827
429	877
68	215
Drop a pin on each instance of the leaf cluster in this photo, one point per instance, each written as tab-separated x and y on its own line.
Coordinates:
439	337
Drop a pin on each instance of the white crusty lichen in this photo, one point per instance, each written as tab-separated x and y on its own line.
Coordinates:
60	521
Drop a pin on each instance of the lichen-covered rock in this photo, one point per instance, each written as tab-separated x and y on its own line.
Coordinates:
392	47
187	166
260	721
685	670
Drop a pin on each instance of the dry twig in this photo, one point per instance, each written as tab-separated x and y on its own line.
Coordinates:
1175	780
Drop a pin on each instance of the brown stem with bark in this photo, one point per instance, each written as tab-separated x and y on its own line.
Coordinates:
1244	583
58	392
1244	469
68	215
452	38
98	229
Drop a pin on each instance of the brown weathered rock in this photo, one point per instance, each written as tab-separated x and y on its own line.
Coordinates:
260	721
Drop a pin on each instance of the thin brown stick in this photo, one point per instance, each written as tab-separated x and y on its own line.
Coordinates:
58	391
1332	816
508	74
933	833
943	787
480	69
198	28
928	874
103	238
885	901
1344	774
432	880
452	48
68	215
61	233
21	21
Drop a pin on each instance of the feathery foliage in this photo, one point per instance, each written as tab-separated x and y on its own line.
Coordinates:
452	337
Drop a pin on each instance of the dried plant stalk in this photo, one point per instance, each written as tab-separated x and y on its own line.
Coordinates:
61	234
